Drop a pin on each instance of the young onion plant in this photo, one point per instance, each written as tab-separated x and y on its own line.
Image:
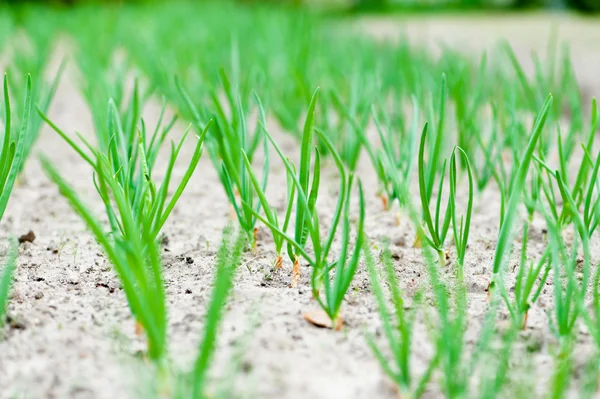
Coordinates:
393	162
514	199
32	57
449	357
136	208
330	279
134	253
437	233
568	303
6	274
229	256
130	158
460	228
529	273
271	212
230	145
12	154
398	326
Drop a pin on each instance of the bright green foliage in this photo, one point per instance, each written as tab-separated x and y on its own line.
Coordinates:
308	225
206	60
12	154
229	257
460	228
134	253
270	211
307	199
528	275
398	328
230	145
193	384
6	278
128	164
31	56
566	306
393	162
450	357
13	144
437	233
517	185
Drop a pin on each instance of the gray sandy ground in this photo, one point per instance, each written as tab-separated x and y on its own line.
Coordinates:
73	337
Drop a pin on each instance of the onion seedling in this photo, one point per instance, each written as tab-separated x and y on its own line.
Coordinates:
33	58
506	226
437	233
308	226
6	275
12	154
460	229
394	161
13	144
229	257
565	293
134	254
568	303
130	159
228	144
528	274
398	329
333	287
271	212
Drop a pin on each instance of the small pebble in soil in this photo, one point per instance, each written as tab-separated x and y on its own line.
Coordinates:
165	240
39	295
188	291
400	242
246	367
15	323
29	237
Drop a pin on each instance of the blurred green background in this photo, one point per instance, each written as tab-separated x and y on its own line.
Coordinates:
379	5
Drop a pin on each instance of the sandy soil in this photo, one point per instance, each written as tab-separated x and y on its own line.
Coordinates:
72	335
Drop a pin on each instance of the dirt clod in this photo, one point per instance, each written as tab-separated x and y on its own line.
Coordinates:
15	322
29	237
